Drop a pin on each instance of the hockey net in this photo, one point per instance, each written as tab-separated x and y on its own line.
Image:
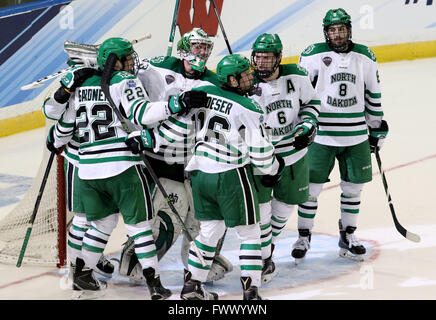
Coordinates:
47	242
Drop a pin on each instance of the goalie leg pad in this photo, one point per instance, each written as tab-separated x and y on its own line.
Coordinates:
165	226
129	264
219	268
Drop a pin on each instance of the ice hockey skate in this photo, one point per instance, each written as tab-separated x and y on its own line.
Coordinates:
157	290
268	270
301	246
104	267
349	246
193	289
85	285
249	292
219	268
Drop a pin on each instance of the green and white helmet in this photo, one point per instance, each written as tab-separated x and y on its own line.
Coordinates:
337	16
231	65
119	46
266	42
184	48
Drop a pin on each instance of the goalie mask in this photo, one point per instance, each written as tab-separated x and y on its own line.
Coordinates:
195	47
266	55
124	51
337	29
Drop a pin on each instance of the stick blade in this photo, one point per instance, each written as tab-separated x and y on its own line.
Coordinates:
413	236
31	86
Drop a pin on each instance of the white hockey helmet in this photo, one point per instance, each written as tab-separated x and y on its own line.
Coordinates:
187	52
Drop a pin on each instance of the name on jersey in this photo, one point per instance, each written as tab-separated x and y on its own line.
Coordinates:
282	131
220	105
91	95
343	76
341	103
276	105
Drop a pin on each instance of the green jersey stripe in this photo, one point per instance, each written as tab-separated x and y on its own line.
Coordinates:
110	159
342	133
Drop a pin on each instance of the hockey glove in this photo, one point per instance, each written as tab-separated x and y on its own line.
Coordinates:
70	81
75	78
270	181
181	103
377	136
138	141
50	141
304	133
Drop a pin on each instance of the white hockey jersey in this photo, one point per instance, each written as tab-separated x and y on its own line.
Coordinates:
54	110
163	77
91	120
226	135
349	88
286	101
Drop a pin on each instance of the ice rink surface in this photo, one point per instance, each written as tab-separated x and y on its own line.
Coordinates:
394	269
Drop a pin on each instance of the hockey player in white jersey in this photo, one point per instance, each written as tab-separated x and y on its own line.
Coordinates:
112	176
53	108
163	77
345	76
291	108
228	142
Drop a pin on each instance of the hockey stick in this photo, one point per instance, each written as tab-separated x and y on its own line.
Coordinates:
35	209
407	234
39	83
106	76
173	28
221	27
80	48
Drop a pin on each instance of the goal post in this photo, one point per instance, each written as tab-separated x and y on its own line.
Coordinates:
47	243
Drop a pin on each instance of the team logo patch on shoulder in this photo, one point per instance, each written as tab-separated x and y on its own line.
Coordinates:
169	78
327	61
309	49
371	54
302	69
257	106
261	119
143	64
131	83
158	59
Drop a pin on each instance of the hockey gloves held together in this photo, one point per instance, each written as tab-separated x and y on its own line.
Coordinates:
181	103
140	140
377	136
70	81
50	142
270	181
304	133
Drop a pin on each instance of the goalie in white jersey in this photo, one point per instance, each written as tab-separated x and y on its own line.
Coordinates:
291	108
229	141
345	76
